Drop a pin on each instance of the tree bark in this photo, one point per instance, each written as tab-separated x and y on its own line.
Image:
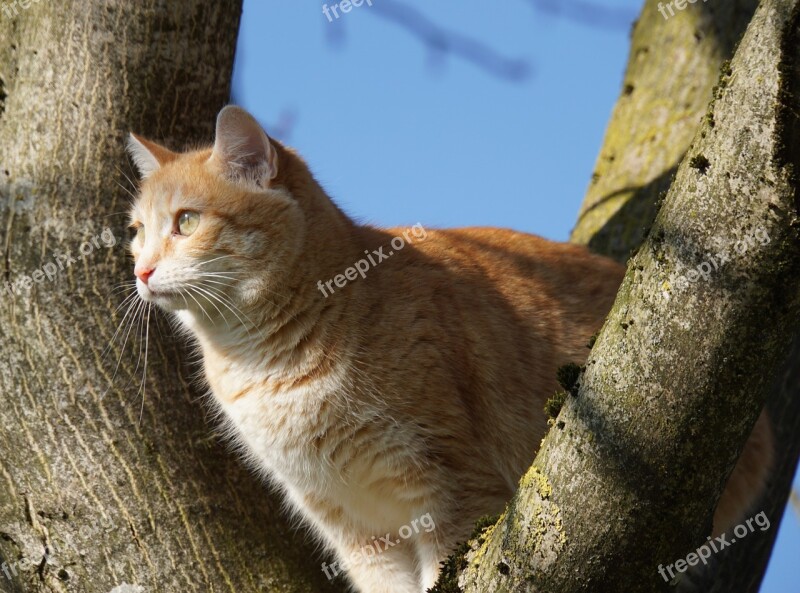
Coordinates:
672	69
674	65
741	568
101	487
629	477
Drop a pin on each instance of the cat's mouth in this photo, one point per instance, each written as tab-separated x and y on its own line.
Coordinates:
159	296
163	293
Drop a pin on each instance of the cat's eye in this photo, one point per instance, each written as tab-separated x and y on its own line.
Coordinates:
140	233
188	222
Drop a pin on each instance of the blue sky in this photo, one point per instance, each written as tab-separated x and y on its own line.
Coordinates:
398	133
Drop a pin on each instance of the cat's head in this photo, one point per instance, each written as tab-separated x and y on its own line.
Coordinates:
214	225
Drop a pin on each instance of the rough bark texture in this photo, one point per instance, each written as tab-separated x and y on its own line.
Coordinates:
98	487
671	71
629	477
741	568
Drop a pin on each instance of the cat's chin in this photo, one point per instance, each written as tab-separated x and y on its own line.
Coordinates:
171	303
168	301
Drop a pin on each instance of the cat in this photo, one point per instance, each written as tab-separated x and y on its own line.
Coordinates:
372	400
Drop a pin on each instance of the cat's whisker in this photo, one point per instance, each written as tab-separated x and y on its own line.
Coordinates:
128	179
144	371
125	175
219	257
226	275
132	292
120	286
189	292
230	306
229	303
128	301
131	295
222	272
136	307
125	189
206	280
230	280
131	303
120	213
184	299
236	255
221	314
140	332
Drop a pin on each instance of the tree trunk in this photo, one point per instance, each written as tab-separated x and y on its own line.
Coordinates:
674	65
629	476
100	487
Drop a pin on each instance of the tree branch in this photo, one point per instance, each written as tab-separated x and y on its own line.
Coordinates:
586	13
650	131
629	477
441	41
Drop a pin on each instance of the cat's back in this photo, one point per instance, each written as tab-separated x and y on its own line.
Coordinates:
541	279
520	261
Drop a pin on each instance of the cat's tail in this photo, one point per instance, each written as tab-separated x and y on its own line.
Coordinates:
748	481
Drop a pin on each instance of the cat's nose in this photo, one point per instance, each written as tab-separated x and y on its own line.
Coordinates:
144	274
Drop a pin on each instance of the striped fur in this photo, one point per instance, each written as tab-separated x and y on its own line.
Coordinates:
416	390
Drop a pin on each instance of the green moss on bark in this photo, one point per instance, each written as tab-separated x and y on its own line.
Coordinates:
457	561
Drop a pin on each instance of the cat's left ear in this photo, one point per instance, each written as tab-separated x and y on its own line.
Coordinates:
242	150
148	156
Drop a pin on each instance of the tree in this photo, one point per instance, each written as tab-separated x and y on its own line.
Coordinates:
101	486
678	373
636	166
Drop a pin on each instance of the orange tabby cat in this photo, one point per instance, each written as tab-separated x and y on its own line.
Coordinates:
375	394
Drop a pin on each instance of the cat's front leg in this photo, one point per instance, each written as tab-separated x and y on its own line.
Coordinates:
430	553
380	568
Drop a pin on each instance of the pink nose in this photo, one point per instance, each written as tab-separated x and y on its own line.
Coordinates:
144	274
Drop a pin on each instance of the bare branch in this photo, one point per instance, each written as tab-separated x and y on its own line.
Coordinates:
441	41
586	13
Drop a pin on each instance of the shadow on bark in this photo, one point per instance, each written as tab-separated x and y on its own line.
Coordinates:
620	236
740	568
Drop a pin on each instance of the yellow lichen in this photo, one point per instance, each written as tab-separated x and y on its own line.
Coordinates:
536	479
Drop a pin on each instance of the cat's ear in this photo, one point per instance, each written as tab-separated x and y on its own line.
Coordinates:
242	150
148	156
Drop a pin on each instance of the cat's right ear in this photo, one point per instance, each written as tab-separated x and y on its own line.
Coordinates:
148	156
242	150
